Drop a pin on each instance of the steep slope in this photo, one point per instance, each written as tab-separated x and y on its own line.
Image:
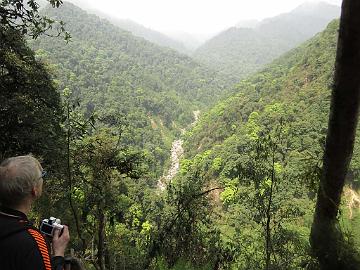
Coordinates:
102	58
135	28
264	146
293	79
155	89
241	51
297	85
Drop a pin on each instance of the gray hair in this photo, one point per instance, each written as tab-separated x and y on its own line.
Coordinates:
18	176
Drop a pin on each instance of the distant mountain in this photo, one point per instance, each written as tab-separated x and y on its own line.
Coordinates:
300	24
240	51
247	24
149	34
191	41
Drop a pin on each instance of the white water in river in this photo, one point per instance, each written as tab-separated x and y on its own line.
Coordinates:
176	152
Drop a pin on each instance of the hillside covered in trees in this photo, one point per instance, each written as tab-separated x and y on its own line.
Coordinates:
240	51
264	147
159	69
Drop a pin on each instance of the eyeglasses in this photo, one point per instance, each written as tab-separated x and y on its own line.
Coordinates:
43	174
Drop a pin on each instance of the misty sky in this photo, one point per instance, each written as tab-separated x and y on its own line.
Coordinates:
193	16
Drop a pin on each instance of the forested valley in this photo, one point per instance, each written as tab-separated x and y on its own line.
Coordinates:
162	160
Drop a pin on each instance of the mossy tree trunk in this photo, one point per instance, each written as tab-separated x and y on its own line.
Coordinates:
326	239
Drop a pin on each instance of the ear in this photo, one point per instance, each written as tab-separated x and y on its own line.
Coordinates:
36	191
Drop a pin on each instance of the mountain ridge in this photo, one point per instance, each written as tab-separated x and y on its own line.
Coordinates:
237	54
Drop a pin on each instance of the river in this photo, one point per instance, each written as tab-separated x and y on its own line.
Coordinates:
177	151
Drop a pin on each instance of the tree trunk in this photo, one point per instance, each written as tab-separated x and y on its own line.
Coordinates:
101	240
70	184
326	238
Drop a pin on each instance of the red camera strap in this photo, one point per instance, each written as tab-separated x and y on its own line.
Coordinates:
43	248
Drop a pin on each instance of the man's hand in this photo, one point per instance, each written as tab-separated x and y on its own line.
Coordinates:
59	243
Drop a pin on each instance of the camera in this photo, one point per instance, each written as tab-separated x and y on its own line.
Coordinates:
48	226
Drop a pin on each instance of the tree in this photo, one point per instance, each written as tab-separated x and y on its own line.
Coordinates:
25	18
259	184
30	112
326	238
101	166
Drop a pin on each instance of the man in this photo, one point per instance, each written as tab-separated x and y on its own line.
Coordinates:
22	246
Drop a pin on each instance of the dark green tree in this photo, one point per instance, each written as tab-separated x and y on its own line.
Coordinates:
30	112
25	18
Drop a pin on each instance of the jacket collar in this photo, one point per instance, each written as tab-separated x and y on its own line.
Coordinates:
12	213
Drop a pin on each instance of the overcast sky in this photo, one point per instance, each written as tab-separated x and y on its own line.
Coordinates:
193	16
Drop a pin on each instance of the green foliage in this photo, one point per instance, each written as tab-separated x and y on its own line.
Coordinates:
187	232
30	113
180	265
269	192
25	18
